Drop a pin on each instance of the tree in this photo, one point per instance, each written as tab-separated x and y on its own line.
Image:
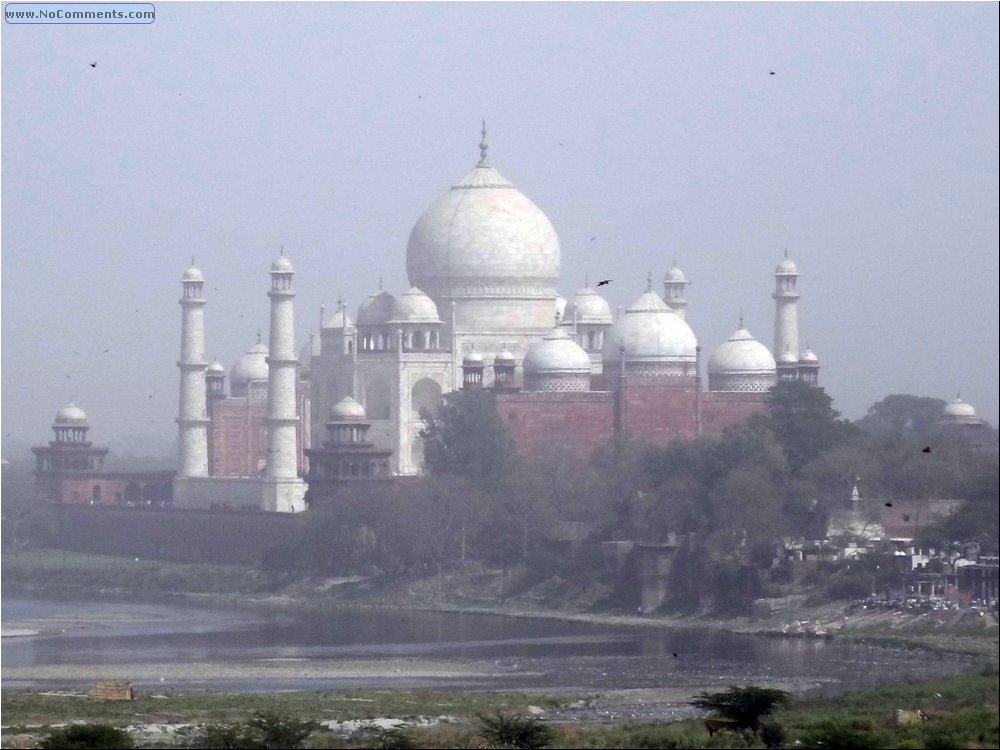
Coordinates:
901	415
803	420
466	438
744	706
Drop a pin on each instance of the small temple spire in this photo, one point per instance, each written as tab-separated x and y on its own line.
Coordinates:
380	282
649	281
586	281
741	319
483	145
258	335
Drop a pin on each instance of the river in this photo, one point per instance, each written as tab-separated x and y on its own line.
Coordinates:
57	644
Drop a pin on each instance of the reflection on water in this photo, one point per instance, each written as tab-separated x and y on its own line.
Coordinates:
519	653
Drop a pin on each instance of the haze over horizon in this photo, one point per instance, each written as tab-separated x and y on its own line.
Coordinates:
645	132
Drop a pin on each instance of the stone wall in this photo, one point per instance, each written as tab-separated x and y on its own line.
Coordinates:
211	536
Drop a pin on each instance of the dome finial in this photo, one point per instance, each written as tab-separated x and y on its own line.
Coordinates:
380	282
483	145
586	281
192	260
258	335
786	251
741	319
281	250
649	281
675	261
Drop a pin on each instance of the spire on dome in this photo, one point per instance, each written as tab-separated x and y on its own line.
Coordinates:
483	145
741	319
258	335
586	281
649	281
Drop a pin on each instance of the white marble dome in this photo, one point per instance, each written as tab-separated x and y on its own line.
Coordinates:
347	408
786	266
473	359
282	264
71	414
483	237
741	363
675	276
590	308
504	357
657	341
339	319
413	306
787	357
809	357
556	363
251	366
215	368
377	309
957	408
193	274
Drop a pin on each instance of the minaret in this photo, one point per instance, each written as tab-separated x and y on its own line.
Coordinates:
283	490
192	417
674	284
786	319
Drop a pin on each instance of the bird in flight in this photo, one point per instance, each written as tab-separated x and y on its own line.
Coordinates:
771	72
926	450
93	65
604	282
593	238
888	505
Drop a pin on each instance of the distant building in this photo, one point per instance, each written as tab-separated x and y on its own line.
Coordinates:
70	469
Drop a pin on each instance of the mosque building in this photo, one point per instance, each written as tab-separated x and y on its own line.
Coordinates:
482	311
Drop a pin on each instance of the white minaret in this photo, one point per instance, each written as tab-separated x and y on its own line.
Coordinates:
283	489
674	284
192	418
786	319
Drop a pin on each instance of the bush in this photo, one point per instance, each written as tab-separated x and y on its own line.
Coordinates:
743	706
839	735
84	736
772	734
504	731
279	731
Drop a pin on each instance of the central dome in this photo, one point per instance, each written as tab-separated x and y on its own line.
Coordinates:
483	238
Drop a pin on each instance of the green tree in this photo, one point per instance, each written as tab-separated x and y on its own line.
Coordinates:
803	420
902	415
466	438
744	706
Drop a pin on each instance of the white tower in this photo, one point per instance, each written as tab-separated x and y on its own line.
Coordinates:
283	489
192	418
674	284
786	319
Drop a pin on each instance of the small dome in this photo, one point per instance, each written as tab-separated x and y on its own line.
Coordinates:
556	363
675	276
786	266
347	408
377	309
282	265
473	359
251	366
589	307
741	353
413	306
71	414
656	339
193	274
340	319
504	357
215	368
787	357
958	408
809	357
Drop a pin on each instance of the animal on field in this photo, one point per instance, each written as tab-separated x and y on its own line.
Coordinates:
910	717
717	725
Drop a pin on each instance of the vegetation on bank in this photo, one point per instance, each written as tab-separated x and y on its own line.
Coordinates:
962	712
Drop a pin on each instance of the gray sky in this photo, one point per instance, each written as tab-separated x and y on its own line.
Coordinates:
223	130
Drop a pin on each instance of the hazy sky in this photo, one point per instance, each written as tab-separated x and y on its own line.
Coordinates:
225	130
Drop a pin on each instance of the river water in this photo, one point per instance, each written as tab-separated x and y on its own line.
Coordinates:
50	644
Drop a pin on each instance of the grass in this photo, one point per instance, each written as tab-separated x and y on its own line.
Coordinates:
963	712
